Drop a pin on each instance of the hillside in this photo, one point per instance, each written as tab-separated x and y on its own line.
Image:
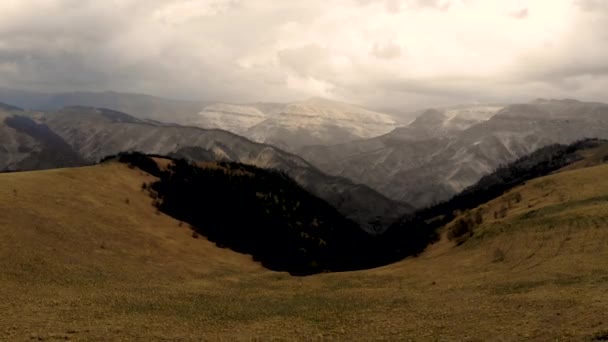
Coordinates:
259	212
85	256
25	144
414	232
424	163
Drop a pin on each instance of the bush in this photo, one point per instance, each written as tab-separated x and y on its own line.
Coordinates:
600	336
461	230
498	256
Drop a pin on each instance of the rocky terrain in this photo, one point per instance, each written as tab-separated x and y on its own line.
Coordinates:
425	163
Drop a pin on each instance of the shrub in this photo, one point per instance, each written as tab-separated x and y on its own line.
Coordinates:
502	213
600	336
461	229
498	255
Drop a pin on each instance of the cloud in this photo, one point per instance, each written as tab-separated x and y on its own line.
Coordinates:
302	60
592	5
350	50
520	14
386	51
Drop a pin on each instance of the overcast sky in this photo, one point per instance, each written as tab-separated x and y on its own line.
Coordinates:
380	53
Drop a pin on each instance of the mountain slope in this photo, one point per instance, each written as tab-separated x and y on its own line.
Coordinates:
26	144
292	125
97	133
413	233
277	222
8	108
414	165
561	215
85	256
142	106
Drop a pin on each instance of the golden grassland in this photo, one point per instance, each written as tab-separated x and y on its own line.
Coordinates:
85	256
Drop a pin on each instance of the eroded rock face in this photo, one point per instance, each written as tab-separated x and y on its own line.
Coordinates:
443	152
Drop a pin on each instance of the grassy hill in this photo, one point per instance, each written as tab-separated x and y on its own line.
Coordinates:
84	255
255	211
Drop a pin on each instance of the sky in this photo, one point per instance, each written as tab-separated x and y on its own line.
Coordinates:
392	54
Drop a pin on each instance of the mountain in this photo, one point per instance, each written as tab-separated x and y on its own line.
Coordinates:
139	105
26	144
422	164
434	123
86	256
8	108
90	134
292	125
230	117
414	232
285	125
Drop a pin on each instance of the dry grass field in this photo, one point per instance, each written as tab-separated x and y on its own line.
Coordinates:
85	256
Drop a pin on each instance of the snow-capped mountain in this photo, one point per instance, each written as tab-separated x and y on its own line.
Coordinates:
286	125
312	122
229	117
445	122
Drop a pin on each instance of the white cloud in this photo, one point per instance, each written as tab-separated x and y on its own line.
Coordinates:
396	53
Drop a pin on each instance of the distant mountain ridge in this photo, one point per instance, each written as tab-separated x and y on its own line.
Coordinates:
285	125
139	105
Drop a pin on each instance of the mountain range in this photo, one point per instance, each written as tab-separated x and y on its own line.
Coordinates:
285	125
76	136
427	161
442	152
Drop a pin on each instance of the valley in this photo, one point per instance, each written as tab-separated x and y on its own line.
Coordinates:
229	170
93	260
